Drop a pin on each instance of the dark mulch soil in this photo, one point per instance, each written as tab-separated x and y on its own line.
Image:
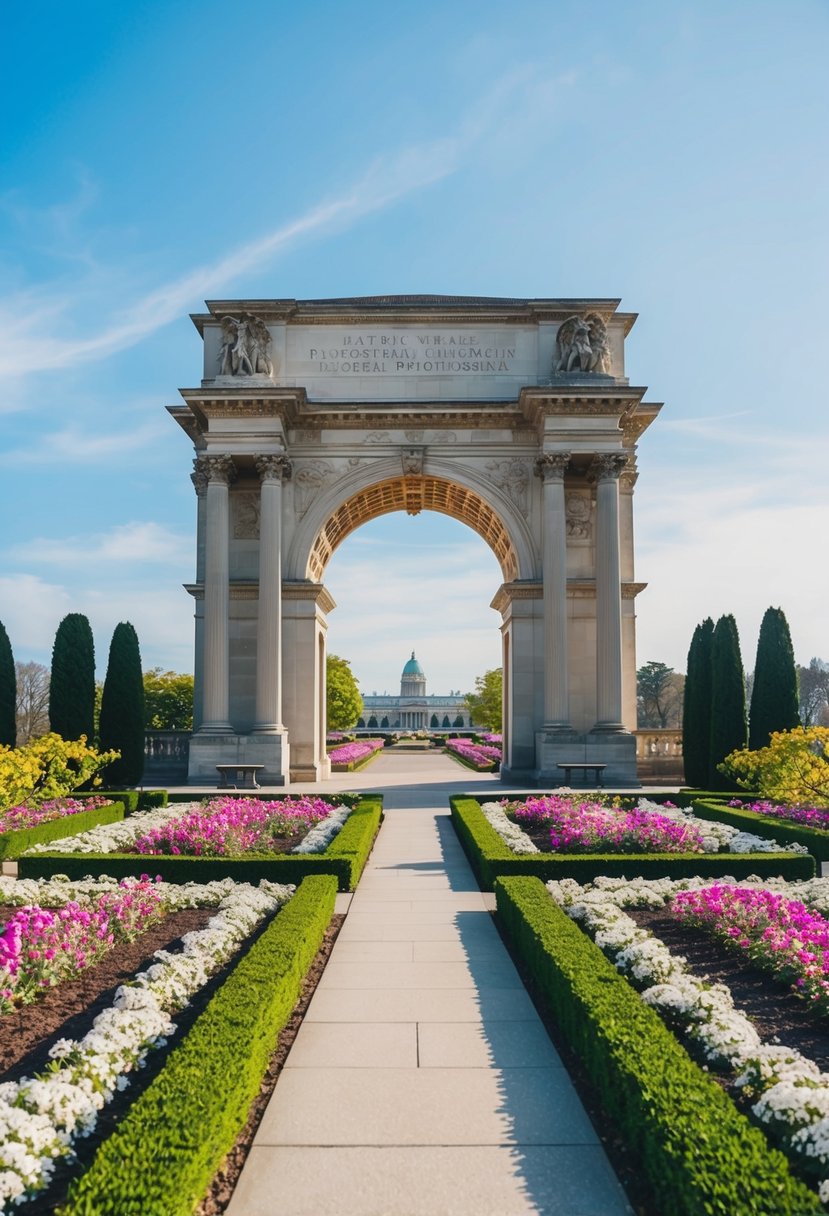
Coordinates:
110	1116
221	1190
778	1014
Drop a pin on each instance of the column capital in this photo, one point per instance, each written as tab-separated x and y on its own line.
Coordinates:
219	469
199	478
272	466
551	466
607	466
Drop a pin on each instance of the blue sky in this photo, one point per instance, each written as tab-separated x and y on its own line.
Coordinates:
163	153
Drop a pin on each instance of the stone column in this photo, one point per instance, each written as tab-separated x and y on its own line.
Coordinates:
199	480
271	470
605	471
551	467
219	471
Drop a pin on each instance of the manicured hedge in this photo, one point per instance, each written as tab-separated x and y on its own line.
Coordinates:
489	856
783	831
345	857
698	1153
489	767
12	844
163	1155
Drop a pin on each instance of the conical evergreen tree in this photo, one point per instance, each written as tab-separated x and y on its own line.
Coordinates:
72	686
696	713
728	699
8	692
774	700
122	708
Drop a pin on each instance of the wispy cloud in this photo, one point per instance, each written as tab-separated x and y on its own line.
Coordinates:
132	542
75	446
31	320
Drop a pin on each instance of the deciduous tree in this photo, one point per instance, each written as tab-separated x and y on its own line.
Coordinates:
485	704
728	699
32	701
72	684
813	683
168	700
344	702
774	705
696	713
122	708
794	767
659	692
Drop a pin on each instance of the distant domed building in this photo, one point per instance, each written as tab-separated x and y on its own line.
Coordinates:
413	709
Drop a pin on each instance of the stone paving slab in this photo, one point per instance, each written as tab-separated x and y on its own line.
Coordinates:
355	1045
557	1180
496	1045
495	973
423	1005
439	1106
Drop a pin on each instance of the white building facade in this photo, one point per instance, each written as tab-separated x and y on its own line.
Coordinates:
414	709
513	416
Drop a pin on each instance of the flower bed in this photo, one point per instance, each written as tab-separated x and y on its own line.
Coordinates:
697	1151
783	823
22	827
782	929
496	844
339	844
351	756
40	1117
482	757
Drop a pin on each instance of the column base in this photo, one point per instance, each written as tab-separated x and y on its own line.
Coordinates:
209	749
616	749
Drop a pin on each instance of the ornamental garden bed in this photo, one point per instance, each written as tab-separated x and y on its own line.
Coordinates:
349	757
482	757
592	844
228	987
21	827
698	1152
246	839
808	825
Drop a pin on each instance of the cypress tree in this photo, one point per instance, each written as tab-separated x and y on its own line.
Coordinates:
8	691
696	713
774	699
72	686
728	699
122	708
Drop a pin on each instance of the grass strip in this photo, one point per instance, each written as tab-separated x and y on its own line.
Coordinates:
163	1155
490	857
700	1155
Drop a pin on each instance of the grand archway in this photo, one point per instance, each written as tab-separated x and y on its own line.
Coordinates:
512	416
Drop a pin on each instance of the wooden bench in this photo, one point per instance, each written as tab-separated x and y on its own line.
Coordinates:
244	776
598	769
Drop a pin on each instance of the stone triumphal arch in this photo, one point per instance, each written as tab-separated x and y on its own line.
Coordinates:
513	416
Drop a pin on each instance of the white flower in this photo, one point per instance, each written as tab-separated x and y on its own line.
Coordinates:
511	834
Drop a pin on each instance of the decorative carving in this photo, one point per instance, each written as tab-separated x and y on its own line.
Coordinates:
629	478
245	505
377	437
246	349
443	437
577	507
413	436
582	346
308	436
199	478
412	459
513	477
215	468
607	466
272	466
310	477
551	466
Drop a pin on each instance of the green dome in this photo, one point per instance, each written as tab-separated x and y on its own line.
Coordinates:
413	668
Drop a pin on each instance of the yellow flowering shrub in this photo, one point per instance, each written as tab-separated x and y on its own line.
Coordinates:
48	767
794	767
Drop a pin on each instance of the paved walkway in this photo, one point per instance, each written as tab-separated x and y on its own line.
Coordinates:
421	1080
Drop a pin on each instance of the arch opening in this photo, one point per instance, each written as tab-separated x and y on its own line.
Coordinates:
414	494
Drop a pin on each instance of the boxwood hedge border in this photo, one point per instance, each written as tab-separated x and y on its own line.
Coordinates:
12	844
700	1155
162	1156
490	767
490	857
345	858
783	831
